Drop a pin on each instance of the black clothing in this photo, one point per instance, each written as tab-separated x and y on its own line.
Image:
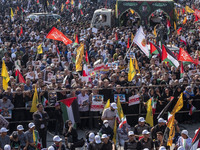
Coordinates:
132	145
108	131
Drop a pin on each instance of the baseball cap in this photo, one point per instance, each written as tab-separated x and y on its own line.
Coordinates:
146	149
181	148
105	121
162	148
91	137
141	119
145	132
130	133
31	125
51	148
20	127
3	129
56	138
184	132
15	134
198	148
114	105
97	139
7	147
161	120
104	136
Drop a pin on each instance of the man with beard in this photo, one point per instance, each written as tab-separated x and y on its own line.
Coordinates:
110	114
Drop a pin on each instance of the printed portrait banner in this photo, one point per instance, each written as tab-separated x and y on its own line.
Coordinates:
97	103
133	100
121	97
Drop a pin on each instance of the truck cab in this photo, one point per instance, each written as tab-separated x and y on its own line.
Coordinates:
102	17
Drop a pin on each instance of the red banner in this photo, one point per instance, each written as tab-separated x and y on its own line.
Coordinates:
55	34
197	12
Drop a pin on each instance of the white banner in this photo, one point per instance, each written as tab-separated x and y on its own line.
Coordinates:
133	100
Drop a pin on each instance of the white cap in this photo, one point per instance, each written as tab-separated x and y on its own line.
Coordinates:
7	147
105	121
51	148
181	148
31	125
161	120
97	139
198	148
56	138
20	127
162	148
130	133
141	119
3	129
91	137
104	136
146	149
184	132
145	132
114	105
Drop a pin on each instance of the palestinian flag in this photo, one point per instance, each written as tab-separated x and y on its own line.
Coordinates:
155	50
44	101
19	77
168	26
76	42
80	5
192	110
168	56
181	70
81	12
195	140
86	57
184	56
70	110
38	2
36	140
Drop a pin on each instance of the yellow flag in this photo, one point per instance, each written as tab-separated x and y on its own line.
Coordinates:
62	7
11	13
119	109
179	105
174	25
72	2
115	132
131	72
116	9
39	49
136	65
79	57
149	115
132	37
154	31
185	20
5	76
34	138
171	126
47	3
177	15
107	104
34	101
132	11
188	9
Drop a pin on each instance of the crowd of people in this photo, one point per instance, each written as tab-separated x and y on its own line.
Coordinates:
53	73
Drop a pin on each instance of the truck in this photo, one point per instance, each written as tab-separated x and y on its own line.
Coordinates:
143	8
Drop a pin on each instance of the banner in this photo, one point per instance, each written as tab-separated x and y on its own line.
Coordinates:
55	34
197	12
97	103
133	100
121	97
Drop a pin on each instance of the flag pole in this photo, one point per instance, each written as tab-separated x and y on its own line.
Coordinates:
128	50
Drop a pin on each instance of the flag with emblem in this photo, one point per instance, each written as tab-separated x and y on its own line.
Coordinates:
140	40
184	56
34	101
79	57
149	115
39	49
132	71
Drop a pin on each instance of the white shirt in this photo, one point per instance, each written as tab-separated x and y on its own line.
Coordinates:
186	143
81	100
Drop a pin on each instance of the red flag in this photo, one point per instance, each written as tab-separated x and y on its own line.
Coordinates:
197	13
21	31
55	34
81	12
181	70
38	1
17	8
179	30
128	43
196	18
116	36
68	101
184	56
53	3
196	62
86	57
67	2
76	39
85	70
183	10
22	9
